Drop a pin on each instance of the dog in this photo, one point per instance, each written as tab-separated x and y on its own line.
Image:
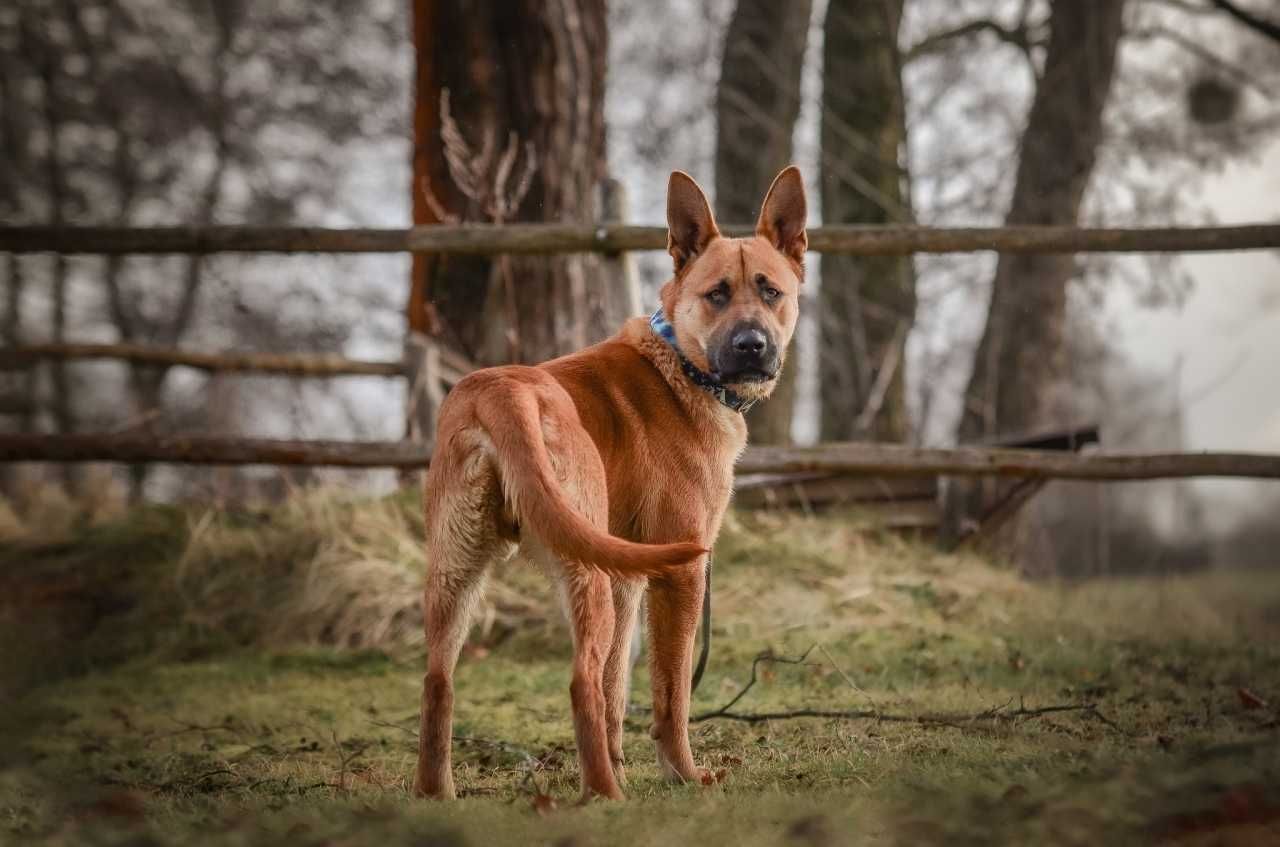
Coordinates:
612	467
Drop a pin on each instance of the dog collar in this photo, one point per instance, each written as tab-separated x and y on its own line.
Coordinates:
700	378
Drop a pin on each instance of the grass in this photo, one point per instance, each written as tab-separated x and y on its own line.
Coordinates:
244	677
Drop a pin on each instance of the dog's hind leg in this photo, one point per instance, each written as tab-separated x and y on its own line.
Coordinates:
627	594
592	612
588	593
674	604
463	525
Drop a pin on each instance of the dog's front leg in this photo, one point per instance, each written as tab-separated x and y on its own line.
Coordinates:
674	604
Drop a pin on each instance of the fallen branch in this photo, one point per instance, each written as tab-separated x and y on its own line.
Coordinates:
956	720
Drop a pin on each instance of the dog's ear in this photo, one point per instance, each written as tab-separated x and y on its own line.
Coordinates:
783	215
690	224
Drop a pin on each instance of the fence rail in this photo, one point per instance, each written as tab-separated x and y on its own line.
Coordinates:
870	459
611	238
453	366
291	364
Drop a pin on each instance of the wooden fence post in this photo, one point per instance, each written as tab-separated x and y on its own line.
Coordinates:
426	390
619	267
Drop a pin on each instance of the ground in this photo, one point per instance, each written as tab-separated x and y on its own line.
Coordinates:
252	676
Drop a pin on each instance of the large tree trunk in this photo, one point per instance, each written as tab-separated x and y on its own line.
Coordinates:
1020	358
866	305
509	126
757	103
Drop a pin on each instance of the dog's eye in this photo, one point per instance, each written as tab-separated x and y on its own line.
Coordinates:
769	293
717	296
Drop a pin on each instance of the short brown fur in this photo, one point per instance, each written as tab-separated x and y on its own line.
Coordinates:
608	466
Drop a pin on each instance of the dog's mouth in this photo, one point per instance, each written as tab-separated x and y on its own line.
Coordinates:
748	375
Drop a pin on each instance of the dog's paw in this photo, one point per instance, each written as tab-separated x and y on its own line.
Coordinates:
434	792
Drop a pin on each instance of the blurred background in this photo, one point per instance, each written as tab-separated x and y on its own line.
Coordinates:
386	114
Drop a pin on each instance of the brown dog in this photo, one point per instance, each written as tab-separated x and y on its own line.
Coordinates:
608	466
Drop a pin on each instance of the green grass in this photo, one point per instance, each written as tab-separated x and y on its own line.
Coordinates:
224	691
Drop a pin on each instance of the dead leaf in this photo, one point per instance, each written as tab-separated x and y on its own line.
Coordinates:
1250	700
710	777
120	715
121	805
544	804
1013	794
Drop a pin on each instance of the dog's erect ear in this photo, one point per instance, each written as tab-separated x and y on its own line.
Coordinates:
783	215
690	224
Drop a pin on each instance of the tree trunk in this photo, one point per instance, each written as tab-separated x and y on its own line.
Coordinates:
509	126
17	386
866	305
757	103
1019	359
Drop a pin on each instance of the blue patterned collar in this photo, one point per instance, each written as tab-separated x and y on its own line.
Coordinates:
700	378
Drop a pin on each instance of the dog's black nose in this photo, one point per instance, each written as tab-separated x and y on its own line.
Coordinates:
750	341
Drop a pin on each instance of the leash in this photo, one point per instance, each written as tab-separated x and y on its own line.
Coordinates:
706	632
705	652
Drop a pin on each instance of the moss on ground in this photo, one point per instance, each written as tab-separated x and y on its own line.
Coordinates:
220	692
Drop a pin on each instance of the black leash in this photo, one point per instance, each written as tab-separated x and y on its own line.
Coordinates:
706	632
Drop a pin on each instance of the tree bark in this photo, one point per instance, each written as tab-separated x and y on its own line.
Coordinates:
1019	362
522	140
1019	358
757	103
866	306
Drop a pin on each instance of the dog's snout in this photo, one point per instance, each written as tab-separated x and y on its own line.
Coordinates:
744	352
750	340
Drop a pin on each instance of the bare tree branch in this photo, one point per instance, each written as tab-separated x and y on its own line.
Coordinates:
1260	25
1204	54
1018	36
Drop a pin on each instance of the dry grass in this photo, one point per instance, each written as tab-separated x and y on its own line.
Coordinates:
325	570
43	510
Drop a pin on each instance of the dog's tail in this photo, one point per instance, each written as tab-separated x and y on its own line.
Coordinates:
541	504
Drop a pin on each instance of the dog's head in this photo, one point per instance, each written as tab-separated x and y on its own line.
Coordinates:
734	301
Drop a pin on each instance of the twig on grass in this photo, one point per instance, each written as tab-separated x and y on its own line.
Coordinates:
528	760
190	781
529	763
765	656
845	676
347	752
936	719
184	728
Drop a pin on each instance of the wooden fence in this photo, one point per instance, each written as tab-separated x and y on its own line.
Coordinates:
613	238
885	460
444	367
